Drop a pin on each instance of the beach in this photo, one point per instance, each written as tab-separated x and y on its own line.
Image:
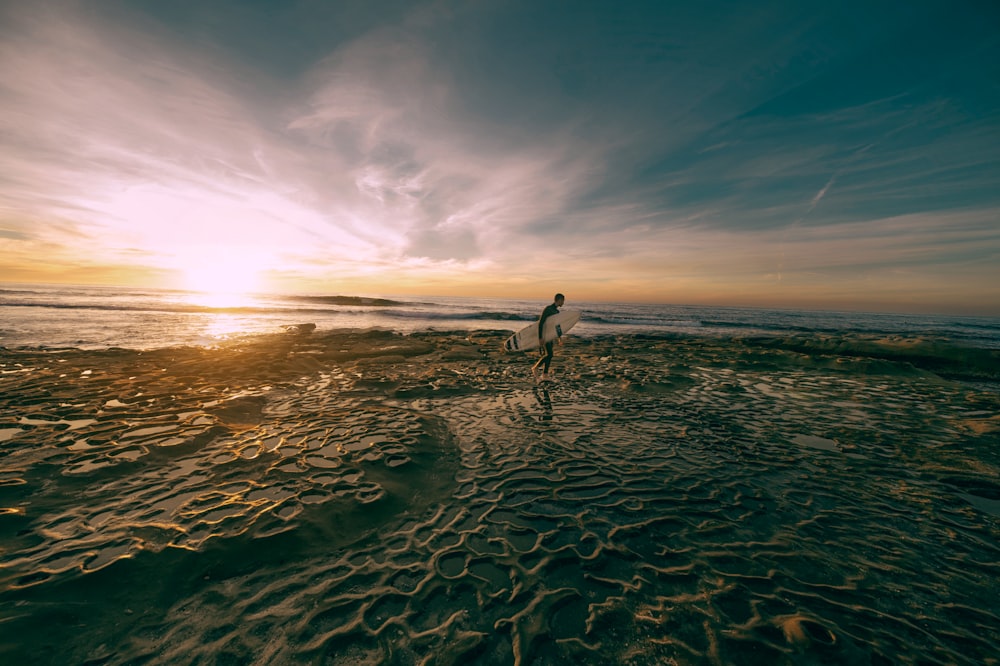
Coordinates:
368	497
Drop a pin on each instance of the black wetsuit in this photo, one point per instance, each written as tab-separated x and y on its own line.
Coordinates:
546	313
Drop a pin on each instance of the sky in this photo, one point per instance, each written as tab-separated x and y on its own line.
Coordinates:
820	155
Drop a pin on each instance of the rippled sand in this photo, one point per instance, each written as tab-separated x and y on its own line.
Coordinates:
363	497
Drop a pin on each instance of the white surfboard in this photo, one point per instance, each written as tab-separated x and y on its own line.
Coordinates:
555	327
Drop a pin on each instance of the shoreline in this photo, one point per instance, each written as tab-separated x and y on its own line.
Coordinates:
139	319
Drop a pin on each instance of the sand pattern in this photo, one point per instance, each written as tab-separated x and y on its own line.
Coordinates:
363	497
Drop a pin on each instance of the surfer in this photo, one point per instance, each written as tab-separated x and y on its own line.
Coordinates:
546	348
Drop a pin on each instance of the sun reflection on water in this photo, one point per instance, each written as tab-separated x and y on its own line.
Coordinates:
221	316
222	327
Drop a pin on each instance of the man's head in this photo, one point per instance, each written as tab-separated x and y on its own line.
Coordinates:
559	300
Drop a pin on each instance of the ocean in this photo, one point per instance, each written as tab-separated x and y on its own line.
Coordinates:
103	317
183	482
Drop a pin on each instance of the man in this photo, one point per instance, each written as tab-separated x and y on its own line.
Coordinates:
545	348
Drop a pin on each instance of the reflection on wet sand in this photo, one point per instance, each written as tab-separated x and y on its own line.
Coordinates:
544	399
363	497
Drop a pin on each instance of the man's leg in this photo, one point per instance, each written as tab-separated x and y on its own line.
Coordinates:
534	368
549	353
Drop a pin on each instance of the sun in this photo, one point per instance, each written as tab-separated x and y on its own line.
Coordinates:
221	281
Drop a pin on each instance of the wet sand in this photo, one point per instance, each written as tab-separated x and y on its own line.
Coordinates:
364	497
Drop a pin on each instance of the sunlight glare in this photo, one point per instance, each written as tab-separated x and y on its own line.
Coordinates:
223	281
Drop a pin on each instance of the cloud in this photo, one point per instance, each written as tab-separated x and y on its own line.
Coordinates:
426	175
